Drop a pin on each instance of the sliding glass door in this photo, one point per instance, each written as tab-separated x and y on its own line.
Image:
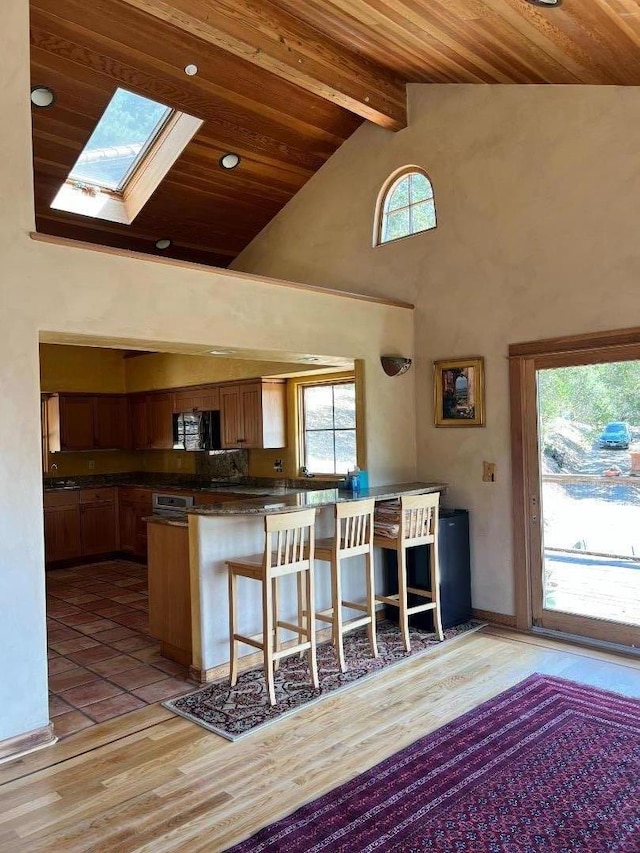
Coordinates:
589	471
576	455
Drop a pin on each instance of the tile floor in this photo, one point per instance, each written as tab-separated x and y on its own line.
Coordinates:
102	662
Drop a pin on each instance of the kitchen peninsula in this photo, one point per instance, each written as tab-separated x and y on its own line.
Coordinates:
215	533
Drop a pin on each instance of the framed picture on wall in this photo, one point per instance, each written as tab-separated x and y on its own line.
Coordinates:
458	386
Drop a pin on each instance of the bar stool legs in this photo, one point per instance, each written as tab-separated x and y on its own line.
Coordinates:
289	550
417	525
233	620
353	538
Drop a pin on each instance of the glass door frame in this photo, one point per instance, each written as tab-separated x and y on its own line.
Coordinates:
528	547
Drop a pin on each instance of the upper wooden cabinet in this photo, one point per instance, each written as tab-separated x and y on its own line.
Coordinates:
161	421
152	421
197	399
111	421
87	422
253	414
139	416
72	422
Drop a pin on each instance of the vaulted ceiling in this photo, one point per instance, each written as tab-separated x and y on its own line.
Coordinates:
283	83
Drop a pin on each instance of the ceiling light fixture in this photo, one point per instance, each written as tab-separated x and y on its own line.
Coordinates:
309	358
191	70
545	4
42	96
162	244
220	352
230	160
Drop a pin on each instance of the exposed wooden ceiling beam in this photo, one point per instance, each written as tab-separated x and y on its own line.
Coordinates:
282	44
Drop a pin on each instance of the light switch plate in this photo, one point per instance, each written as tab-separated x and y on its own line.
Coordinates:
489	472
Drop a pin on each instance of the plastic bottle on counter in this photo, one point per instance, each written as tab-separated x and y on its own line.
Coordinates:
354	479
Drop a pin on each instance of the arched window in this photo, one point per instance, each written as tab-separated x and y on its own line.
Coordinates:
406	206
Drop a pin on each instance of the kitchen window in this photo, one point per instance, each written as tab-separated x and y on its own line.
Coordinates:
328	427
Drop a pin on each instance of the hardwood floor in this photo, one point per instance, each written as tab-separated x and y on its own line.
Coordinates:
150	781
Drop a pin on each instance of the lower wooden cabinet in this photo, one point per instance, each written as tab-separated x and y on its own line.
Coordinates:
135	506
98	532
61	527
170	590
80	524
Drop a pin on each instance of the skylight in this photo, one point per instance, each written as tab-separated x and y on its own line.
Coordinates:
132	148
128	126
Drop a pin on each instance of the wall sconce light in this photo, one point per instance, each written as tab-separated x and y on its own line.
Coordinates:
395	365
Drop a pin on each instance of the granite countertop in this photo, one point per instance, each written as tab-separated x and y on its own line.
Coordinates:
178	519
317	498
253	486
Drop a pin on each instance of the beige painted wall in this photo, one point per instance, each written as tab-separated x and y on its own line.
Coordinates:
538	199
48	288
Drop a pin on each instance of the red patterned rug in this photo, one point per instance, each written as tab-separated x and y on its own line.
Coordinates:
548	765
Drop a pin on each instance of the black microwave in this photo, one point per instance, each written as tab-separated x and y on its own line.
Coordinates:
197	431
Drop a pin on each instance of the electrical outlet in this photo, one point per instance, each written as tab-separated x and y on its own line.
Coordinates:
92	465
488	472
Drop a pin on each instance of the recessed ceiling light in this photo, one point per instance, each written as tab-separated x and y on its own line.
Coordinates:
309	358
42	96
220	352
230	160
164	243
191	70
545	4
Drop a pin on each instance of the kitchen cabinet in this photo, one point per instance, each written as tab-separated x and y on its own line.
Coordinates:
61	526
127	518
77	422
197	400
152	421
70	422
139	421
160	421
253	414
98	524
134	506
170	590
111	422
80	523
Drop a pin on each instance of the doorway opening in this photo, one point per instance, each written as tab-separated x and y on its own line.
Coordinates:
120	469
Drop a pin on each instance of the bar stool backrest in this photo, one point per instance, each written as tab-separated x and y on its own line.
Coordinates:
419	519
287	536
354	527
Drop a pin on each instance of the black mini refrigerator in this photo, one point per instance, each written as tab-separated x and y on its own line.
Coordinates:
455	573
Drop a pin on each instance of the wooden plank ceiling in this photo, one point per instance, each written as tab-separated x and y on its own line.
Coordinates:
283	83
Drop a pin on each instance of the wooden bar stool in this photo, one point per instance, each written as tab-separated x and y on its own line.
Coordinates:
289	550
417	525
353	537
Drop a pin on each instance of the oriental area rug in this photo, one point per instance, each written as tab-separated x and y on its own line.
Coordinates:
234	712
548	765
